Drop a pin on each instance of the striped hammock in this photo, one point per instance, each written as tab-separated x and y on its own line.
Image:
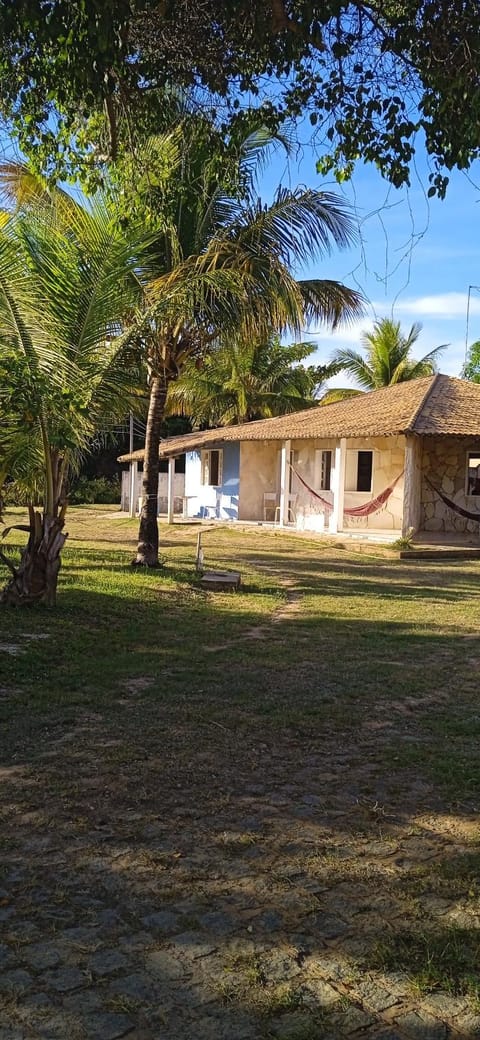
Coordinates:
453	505
376	503
327	505
364	510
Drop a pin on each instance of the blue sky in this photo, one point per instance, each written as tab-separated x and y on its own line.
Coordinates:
415	260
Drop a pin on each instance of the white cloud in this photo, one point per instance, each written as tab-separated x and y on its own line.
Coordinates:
447	306
345	334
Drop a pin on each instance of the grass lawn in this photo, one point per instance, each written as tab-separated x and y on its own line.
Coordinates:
262	806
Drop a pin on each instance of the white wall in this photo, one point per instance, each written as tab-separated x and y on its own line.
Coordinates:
204	500
178	491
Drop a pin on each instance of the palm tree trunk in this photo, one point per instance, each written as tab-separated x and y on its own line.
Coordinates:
147	549
35	579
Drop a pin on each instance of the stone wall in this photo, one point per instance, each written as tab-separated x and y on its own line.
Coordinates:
444	463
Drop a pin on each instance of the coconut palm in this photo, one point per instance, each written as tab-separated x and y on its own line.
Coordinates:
387	358
219	262
65	282
241	381
224	262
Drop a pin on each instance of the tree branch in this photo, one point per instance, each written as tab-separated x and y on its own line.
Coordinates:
112	124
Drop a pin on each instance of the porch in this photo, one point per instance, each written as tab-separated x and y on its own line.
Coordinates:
347	485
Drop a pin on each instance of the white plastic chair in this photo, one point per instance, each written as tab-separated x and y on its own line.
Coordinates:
270	499
291	510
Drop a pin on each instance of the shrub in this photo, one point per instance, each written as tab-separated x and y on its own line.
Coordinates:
84	491
16	493
103	490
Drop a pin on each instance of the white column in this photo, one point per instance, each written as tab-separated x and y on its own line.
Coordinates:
284	482
412	485
170	490
338	487
132	488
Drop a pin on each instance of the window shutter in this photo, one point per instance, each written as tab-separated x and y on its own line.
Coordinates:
220	467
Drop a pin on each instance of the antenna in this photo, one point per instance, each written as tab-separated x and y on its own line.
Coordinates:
470	287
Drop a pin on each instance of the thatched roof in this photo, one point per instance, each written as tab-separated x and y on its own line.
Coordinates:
431	406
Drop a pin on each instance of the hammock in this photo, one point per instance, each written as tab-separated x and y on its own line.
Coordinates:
328	505
373	507
366	509
453	505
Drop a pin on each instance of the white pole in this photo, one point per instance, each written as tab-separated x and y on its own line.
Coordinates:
412	485
470	287
133	470
170	490
284	482
338	483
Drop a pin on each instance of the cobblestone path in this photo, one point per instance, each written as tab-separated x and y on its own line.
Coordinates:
238	892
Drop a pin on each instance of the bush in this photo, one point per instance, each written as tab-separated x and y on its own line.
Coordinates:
84	491
102	490
15	493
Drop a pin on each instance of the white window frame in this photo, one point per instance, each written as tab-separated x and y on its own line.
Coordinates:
321	468
468	492
206	467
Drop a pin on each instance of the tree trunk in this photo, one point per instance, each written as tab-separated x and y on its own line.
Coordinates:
35	579
147	549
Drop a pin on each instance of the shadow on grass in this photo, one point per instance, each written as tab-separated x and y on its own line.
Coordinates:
232	818
204	885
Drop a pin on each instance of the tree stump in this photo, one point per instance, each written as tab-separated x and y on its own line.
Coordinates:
34	581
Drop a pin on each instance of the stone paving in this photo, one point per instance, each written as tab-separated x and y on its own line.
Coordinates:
223	890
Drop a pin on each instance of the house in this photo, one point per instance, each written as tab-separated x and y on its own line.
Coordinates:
405	456
132	489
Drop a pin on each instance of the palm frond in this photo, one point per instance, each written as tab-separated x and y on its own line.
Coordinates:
299	226
338	393
331	302
356	365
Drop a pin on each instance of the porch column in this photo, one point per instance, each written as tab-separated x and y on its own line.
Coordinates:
170	489
338	487
132	488
412	485
284	482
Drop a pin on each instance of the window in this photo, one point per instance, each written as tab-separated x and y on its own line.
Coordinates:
473	473
323	470
364	471
358	475
212	467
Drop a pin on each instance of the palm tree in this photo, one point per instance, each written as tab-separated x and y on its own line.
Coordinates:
242	381
388	358
471	368
224	262
65	282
